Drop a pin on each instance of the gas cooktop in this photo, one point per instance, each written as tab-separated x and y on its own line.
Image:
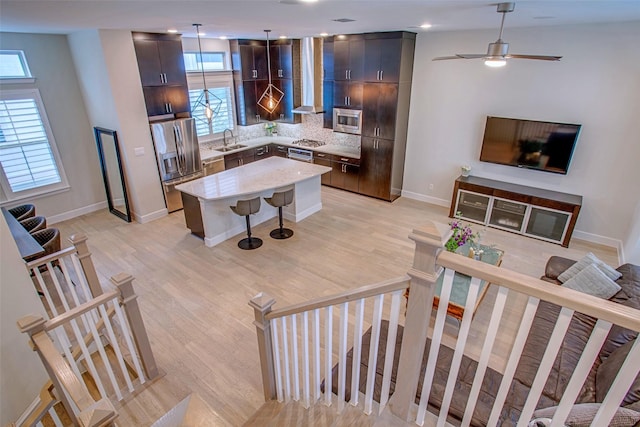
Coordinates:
308	143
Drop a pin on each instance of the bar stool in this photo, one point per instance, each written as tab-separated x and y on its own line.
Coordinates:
49	239
246	208
23	211
34	224
278	200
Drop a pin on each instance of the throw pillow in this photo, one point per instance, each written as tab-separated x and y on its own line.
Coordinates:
591	280
589	259
582	415
607	372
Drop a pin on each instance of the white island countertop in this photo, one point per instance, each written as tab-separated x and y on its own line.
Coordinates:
255	177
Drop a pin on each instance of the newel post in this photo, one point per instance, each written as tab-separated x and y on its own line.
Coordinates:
261	305
429	240
34	325
80	243
129	300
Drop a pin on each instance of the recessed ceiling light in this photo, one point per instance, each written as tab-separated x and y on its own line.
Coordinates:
172	30
201	34
297	1
425	26
282	37
324	34
223	37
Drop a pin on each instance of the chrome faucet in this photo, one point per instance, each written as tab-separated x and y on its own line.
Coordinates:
224	136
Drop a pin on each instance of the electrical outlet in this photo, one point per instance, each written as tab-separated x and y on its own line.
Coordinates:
138	151
430	186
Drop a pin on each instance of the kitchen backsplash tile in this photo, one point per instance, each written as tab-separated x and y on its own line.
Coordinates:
310	128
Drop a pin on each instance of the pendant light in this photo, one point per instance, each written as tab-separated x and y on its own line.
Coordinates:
272	96
207	100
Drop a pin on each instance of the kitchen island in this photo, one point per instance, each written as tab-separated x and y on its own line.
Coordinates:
207	200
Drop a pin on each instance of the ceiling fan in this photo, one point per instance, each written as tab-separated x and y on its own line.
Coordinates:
498	51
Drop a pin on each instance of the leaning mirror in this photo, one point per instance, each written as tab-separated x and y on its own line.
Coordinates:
114	184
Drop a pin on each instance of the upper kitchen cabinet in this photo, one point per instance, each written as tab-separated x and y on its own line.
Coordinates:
162	73
348	57
347	94
281	54
382	57
327	59
379	107
249	57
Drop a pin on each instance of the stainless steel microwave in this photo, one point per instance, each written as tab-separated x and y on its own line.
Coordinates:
347	121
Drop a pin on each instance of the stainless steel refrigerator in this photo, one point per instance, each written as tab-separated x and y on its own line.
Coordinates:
178	155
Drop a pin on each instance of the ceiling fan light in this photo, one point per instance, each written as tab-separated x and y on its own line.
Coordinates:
495	63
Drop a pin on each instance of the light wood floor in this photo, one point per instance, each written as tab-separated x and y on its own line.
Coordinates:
194	298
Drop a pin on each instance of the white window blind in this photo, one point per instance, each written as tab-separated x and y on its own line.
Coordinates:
27	151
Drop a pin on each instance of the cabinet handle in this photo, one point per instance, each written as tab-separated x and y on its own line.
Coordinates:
165	77
381	74
378	75
258	117
349	100
343	159
346	74
349	74
161	79
170	108
281	116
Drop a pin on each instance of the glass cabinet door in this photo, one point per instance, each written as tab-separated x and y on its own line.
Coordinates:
473	206
508	214
547	224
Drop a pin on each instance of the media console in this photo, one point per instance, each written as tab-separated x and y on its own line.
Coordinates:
541	214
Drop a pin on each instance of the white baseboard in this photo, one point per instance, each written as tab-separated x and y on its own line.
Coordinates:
142	219
428	199
601	240
76	212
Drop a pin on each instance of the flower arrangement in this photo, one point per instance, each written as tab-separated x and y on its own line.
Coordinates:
270	128
461	234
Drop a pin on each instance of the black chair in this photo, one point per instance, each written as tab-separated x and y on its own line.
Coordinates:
34	224
49	239
278	200
246	208
23	211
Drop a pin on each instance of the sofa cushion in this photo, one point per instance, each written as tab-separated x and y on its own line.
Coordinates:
555	266
582	415
585	261
607	374
591	280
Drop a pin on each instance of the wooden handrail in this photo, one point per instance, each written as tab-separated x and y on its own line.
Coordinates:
51	257
80	310
593	306
383	287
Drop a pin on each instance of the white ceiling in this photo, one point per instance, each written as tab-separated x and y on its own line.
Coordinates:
248	18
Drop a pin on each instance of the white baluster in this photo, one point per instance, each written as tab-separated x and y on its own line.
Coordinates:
305	356
373	352
316	354
296	374
116	346
441	314
56	284
45	291
84	285
483	362
126	332
87	357
557	336
69	282
357	352
61	335
285	360
463	333
54	416
276	359
328	353
514	358
390	351
342	354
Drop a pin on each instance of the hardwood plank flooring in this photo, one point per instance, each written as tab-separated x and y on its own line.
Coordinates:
194	299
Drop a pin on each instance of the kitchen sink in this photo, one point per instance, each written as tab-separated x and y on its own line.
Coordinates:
230	148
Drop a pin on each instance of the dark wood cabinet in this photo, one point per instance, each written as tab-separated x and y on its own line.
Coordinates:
323	159
382	60
327	59
345	173
252	60
348	94
239	158
279	150
376	156
379	108
281	53
327	102
162	73
348	57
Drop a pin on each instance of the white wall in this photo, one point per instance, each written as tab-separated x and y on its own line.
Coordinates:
110	82
632	243
21	372
595	84
50	63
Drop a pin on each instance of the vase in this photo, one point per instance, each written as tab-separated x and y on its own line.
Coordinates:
466	170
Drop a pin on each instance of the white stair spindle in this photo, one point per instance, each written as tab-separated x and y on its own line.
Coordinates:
463	333
555	341
373	352
285	360
116	346
305	356
54	416
390	349
357	352
316	355
126	332
45	290
61	334
87	357
328	353
69	282
514	358
430	369
56	284
342	354
294	342
483	362
276	359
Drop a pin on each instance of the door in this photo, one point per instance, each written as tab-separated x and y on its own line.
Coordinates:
382	60
348	59
379	110
148	62
154	99
327	60
347	94
376	158
178	99
187	146
172	62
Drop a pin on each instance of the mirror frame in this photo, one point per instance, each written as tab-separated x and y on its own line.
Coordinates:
98	132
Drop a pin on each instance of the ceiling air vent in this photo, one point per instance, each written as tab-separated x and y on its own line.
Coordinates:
343	20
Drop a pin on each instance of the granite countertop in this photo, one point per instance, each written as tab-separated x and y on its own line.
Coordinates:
340	150
255	177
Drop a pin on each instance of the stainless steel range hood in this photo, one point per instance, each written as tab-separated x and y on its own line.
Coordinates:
311	67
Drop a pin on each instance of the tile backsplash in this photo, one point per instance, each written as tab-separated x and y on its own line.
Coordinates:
310	128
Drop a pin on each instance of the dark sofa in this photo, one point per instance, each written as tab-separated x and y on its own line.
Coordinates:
570	351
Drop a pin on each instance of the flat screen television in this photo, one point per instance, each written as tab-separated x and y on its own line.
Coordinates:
544	146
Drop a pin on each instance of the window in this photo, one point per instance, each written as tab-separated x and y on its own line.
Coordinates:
29	159
14	68
220	85
212	61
